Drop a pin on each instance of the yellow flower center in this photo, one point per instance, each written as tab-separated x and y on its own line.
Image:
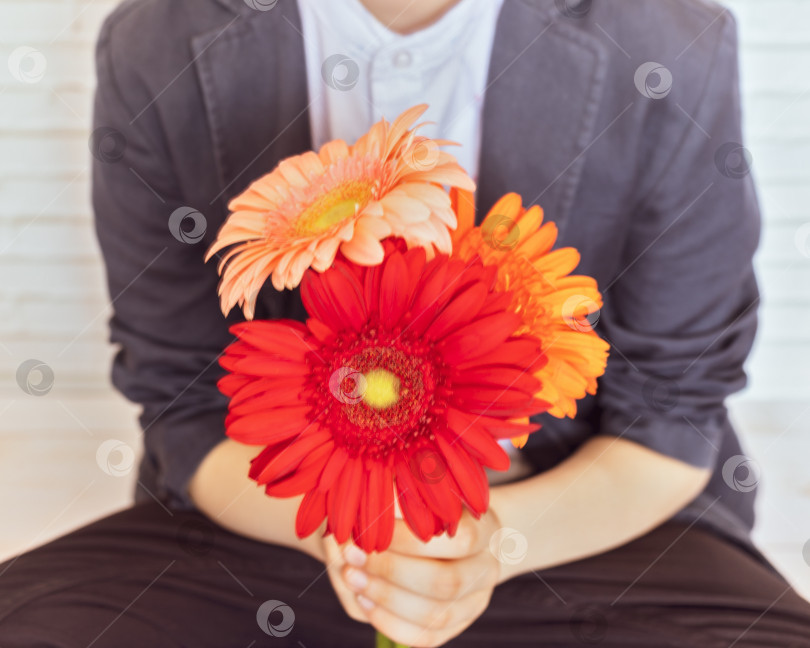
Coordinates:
381	388
333	207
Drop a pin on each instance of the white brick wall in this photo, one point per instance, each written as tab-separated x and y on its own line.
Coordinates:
53	304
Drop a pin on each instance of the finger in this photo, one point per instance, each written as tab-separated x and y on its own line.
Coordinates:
347	598
411	634
440	579
418	609
466	541
334	563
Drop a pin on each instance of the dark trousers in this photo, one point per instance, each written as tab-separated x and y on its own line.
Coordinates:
150	578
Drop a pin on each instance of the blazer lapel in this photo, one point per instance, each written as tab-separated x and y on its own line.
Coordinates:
545	83
253	77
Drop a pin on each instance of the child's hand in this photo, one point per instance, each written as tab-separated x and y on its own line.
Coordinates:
335	561
421	594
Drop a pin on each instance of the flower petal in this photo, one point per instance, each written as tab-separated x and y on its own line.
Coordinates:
416	513
310	514
344	498
468	474
270	426
394	293
305	477
364	248
290	457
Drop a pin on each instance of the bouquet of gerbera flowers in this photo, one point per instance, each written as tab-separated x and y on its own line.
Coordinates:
429	339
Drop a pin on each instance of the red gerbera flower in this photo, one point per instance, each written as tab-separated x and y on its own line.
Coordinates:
401	381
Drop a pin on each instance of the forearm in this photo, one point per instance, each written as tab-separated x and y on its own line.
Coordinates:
223	491
607	493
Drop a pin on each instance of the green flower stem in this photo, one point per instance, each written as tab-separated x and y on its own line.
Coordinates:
385	642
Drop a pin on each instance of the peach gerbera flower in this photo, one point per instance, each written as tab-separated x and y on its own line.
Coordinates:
345	198
553	304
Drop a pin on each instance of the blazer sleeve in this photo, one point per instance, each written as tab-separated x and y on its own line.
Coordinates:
681	312
165	311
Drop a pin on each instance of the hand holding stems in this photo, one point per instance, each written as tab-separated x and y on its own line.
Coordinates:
424	594
607	493
419	594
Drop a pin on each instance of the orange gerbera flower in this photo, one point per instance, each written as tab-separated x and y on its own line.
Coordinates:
553	304
343	197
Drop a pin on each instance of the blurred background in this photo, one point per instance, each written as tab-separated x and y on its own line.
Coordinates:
70	455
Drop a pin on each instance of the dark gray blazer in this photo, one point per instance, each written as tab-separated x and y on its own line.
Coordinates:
196	98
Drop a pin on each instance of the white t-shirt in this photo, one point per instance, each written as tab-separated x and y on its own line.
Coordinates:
359	71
